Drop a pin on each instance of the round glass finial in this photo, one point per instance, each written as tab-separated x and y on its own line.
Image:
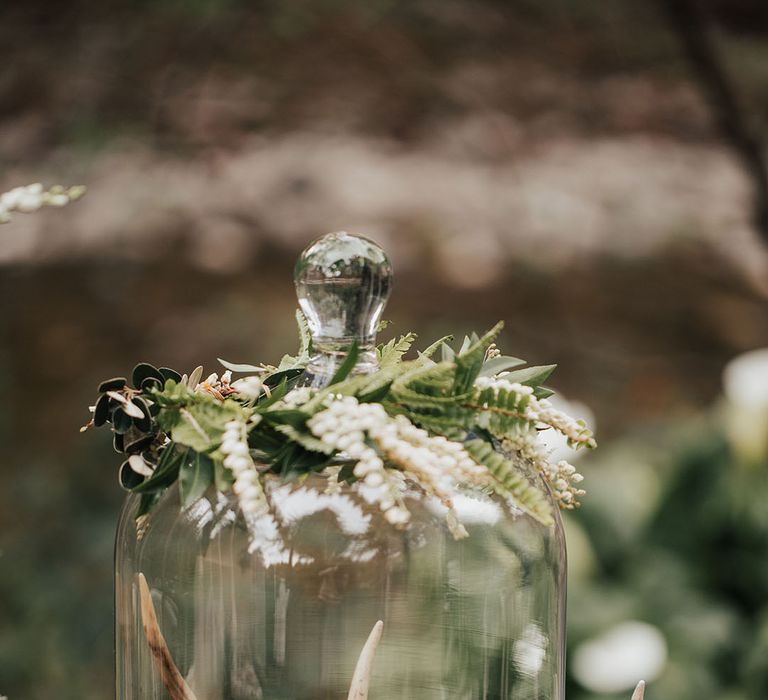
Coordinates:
343	282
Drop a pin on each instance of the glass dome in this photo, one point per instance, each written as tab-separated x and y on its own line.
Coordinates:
213	606
286	616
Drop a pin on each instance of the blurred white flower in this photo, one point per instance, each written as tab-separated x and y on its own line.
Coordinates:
745	379
614	661
745	382
32	197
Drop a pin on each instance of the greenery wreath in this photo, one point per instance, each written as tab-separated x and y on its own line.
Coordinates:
446	419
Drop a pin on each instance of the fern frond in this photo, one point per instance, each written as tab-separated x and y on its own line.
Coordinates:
432	349
433	379
391	354
510	482
500	412
450	423
305	337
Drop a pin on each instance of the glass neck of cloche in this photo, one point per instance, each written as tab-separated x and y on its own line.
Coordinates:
342	283
327	358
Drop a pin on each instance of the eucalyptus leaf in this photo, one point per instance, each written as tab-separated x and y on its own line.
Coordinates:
235	367
541	392
144	370
138	465
499	364
139	444
152	383
195	377
101	411
114	384
144	421
128	478
122	422
133	410
531	376
169	373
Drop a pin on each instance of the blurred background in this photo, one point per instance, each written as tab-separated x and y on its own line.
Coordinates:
591	172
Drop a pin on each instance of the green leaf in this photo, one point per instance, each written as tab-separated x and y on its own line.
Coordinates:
377	386
531	376
347	366
234	367
166	471
278	393
288	416
282	375
195	476
446	352
147	502
294	461
223	478
200	423
499	364
469	361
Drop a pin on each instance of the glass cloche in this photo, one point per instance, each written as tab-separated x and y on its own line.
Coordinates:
327	592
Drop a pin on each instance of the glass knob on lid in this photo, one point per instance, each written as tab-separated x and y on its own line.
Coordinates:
343	283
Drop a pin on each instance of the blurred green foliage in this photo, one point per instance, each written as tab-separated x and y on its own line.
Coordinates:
676	530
